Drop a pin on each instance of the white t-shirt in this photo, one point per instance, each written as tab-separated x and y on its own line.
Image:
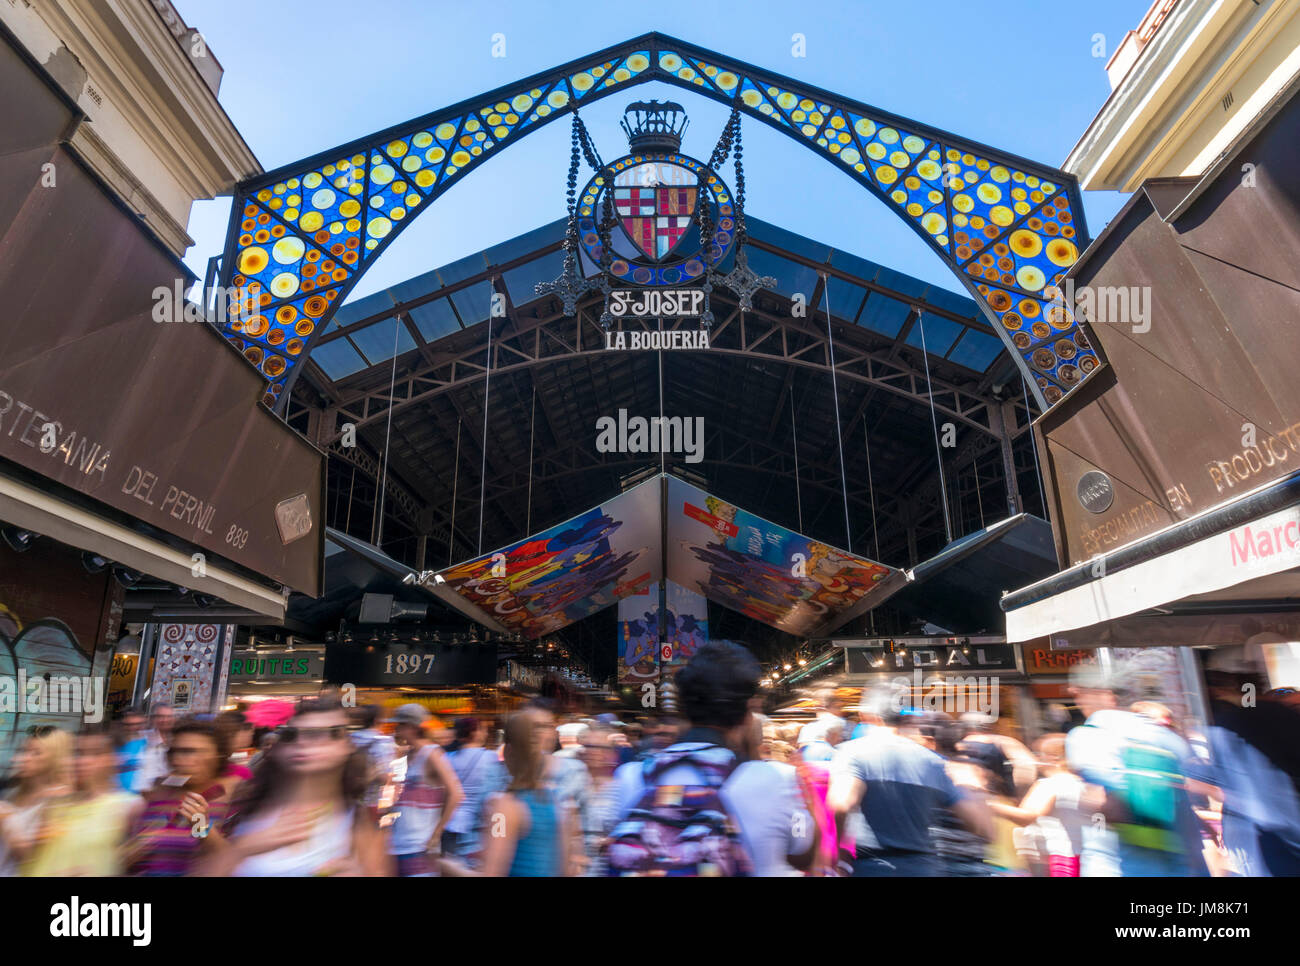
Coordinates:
329	842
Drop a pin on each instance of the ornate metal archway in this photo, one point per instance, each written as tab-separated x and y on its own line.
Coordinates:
301	236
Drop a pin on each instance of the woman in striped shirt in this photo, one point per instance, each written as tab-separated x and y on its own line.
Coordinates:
184	811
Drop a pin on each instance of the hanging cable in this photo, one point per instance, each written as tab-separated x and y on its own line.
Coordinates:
487	388
392	384
871	488
835	393
1034	440
347	524
934	422
975	466
662	449
532	426
794	431
455	485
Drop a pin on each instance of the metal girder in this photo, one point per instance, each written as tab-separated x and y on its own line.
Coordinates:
756	335
899	160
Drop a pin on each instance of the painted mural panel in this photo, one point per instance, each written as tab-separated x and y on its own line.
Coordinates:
565	573
763	570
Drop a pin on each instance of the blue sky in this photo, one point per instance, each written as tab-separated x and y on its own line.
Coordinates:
302	76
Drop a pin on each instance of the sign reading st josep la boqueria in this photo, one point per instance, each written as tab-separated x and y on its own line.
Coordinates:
652	303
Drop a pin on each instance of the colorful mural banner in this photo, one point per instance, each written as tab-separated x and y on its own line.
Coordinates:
715	550
761	569
638	636
686	626
642	654
571	570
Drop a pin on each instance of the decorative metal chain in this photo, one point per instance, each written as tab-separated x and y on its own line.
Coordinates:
603	228
588	146
571	196
721	151
741	234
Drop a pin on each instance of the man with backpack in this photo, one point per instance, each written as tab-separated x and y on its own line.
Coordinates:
700	807
1146	816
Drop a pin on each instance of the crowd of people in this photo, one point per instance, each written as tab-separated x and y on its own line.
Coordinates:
872	789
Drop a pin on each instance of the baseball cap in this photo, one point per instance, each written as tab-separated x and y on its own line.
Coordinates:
410	714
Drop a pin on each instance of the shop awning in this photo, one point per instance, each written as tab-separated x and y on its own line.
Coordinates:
44	513
1194	582
354	568
958	588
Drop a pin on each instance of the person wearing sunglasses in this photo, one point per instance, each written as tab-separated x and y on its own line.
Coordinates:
302	812
184	811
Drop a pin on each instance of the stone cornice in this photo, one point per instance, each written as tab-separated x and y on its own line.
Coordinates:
1166	90
133	56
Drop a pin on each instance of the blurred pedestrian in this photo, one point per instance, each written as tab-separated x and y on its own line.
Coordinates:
185	809
42	769
751	816
83	833
303	813
480	774
430	795
1139	764
528	833
1254	767
897	785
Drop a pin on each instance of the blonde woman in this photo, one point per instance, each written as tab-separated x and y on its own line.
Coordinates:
83	833
43	769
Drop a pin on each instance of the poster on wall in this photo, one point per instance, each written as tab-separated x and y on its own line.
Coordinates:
763	570
686	626
121	681
191	665
638	636
569	571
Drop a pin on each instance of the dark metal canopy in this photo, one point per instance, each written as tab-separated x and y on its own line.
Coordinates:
764	390
959	588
